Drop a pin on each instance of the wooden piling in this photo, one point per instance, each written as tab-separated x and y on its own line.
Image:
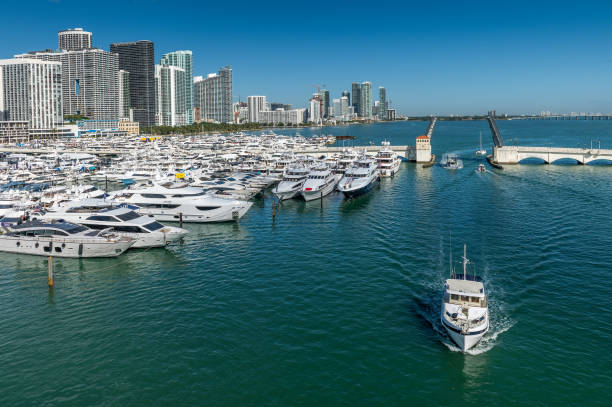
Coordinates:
50	271
181	220
321	199
273	209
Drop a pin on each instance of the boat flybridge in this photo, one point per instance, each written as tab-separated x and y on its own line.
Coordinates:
359	178
388	161
321	181
61	239
464	313
292	182
171	202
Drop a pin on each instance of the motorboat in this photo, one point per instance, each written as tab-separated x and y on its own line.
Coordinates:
292	182
174	202
451	162
481	168
464	312
388	161
321	181
145	230
361	177
62	239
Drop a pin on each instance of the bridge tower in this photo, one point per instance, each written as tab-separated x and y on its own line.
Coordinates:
423	149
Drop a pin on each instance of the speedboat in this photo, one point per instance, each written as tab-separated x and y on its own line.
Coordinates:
360	177
388	161
292	182
321	181
175	202
63	239
481	168
124	221
464	313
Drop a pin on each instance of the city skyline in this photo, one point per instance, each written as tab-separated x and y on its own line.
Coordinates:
448	59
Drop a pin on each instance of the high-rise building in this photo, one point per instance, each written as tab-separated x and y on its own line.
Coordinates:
276	106
31	91
337	106
382	106
356	88
344	103
314	110
293	116
170	95
183	59
123	84
325	103
365	100
256	104
73	39
89	81
138	59
347	94
213	96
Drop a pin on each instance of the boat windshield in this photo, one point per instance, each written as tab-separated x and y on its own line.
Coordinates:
74	229
153	226
128	216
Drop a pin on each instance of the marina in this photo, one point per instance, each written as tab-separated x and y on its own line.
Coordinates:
343	292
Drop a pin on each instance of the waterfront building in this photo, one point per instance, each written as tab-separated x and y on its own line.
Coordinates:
31	91
74	39
13	130
183	59
337	108
123	84
170	95
365	100
314	110
344	105
89	81
375	109
347	94
132	128
138	59
213	96
325	103
382	99
391	114
294	116
356	88
256	104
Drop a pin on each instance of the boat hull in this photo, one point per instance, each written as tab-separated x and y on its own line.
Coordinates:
464	342
318	194
67	249
351	193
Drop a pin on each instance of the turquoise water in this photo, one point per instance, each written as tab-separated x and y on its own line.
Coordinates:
339	305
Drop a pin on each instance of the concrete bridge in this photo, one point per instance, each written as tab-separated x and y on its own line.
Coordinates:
515	154
406	152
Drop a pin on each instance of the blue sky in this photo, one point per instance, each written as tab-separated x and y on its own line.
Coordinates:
436	58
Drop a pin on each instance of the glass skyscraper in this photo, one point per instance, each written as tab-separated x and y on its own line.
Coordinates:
365	100
184	60
138	59
382	106
356	88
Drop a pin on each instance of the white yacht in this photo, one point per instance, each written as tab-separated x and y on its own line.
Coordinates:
169	203
292	182
124	221
63	240
359	178
321	181
451	162
388	161
464	313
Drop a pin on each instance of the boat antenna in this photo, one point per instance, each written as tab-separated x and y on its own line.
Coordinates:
450	250
465	261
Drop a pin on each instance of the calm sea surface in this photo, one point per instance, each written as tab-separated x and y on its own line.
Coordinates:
339	305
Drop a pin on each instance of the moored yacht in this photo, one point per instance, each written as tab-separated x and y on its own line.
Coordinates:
63	240
292	182
171	203
388	161
145	230
464	313
360	177
321	181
